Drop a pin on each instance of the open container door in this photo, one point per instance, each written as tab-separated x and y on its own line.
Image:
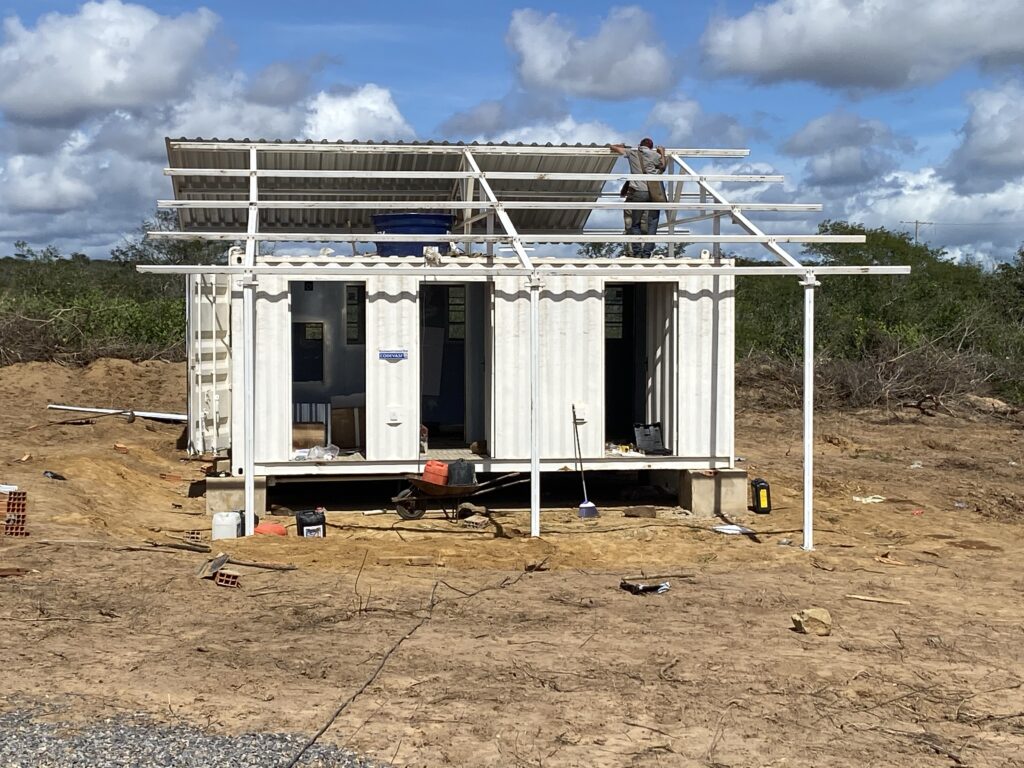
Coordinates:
209	363
661	374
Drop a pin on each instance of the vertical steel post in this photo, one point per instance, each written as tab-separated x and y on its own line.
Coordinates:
716	229
249	349
535	405
809	284
534	285
468	193
675	189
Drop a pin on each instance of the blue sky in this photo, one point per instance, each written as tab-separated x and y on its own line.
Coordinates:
884	110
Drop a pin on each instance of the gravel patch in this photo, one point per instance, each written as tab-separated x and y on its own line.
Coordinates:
133	741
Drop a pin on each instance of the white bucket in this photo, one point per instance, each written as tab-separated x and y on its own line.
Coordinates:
226	525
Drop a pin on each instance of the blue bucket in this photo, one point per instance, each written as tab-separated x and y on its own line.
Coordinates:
411	224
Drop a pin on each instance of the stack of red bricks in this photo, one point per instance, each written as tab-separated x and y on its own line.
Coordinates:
15	520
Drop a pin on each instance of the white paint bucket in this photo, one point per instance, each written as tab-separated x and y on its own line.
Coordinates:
226	525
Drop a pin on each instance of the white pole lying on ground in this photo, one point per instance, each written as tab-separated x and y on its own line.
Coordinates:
809	284
156	415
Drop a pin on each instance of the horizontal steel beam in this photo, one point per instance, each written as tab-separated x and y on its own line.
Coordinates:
512	205
433	149
495	175
482	238
587	266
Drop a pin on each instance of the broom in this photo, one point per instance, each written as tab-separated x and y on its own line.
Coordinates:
587	508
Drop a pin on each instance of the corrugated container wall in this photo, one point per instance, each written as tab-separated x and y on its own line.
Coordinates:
705	371
689	370
571	367
392	382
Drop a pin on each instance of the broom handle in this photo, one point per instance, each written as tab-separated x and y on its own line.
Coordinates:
579	452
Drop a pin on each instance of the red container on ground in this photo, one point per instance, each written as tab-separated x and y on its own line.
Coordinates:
436	472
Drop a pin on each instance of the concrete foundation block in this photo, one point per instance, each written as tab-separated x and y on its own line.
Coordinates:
713	492
227	494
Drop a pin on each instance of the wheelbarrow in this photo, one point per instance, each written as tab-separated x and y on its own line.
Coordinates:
414	501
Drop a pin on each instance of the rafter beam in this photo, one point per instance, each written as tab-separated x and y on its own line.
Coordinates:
494	175
742	220
499	210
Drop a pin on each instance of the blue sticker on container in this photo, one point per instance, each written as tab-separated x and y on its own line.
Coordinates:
393	354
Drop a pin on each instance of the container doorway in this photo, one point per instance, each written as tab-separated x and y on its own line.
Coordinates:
453	371
328	361
625	352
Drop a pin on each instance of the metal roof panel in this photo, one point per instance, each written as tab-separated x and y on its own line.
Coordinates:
391	158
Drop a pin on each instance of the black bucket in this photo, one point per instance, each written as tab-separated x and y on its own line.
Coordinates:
311	523
461	472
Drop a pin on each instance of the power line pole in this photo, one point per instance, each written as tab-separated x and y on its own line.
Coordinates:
917	225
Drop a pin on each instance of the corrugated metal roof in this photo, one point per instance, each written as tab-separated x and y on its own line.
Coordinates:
532	158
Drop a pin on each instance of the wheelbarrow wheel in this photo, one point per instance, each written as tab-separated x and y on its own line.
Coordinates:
409	508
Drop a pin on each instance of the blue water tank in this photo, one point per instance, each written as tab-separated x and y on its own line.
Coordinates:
411	224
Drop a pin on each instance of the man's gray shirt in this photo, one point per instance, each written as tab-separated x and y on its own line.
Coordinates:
642	160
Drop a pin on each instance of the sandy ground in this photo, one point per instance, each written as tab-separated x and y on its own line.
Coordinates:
496	666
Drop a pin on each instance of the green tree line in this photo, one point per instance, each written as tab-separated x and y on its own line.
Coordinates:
945	328
73	309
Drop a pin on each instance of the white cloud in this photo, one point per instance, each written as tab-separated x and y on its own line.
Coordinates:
368	112
992	150
106	175
281	83
848	166
964	223
222	107
219	106
624	60
979	226
688	124
514	109
88	98
678	116
44	185
840	129
845	149
562	131
864	43
110	55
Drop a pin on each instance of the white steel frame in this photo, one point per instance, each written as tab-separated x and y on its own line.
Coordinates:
479	201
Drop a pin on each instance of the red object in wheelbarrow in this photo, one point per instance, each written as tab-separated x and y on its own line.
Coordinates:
413	502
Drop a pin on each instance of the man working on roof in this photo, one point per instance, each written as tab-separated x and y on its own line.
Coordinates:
644	159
